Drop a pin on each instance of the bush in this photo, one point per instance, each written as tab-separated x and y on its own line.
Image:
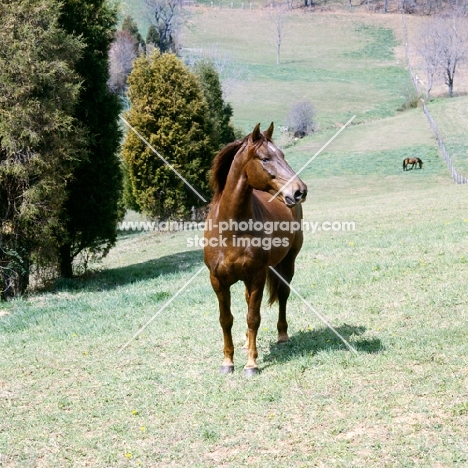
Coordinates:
169	109
300	120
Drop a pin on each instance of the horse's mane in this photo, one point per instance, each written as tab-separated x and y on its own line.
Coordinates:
223	160
221	166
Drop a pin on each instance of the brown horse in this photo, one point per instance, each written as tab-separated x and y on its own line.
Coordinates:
247	231
413	162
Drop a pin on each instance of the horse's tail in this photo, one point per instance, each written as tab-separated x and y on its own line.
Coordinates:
277	280
274	284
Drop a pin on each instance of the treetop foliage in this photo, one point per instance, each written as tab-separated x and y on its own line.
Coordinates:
131	26
170	111
41	141
220	112
92	208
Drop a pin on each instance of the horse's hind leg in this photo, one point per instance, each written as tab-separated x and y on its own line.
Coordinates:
286	270
226	320
247	299
283	295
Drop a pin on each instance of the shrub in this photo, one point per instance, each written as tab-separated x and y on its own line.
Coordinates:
169	110
300	120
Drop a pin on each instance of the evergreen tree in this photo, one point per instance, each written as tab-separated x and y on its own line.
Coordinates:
168	108
40	141
130	25
220	112
93	204
152	36
128	197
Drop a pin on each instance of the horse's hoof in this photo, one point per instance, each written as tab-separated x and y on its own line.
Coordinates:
226	370
251	371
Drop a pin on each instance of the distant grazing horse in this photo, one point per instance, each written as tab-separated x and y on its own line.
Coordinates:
413	162
246	233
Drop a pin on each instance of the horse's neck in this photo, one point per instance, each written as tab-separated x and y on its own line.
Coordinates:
236	199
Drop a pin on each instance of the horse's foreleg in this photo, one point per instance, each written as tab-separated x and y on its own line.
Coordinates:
226	320
253	323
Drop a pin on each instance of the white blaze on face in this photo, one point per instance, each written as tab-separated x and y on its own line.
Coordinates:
273	148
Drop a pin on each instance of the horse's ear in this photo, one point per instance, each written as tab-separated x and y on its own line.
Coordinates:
256	133
269	133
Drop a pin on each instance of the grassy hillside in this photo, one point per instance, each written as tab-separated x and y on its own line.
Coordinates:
343	64
395	287
451	116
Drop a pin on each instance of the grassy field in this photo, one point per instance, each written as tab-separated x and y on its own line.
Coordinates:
452	123
395	287
334	75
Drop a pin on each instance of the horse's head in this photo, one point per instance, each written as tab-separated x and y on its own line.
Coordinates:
267	170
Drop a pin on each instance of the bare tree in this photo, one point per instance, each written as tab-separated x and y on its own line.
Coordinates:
300	120
454	43
167	16
443	46
428	47
121	55
278	16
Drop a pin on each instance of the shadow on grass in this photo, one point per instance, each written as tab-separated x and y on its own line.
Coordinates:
108	279
322	339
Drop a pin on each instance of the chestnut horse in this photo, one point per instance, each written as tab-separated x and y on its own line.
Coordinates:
247	231
413	162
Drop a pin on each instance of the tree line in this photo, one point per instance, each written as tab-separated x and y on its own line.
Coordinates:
67	171
60	178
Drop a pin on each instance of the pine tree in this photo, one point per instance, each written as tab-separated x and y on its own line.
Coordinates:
40	141
170	111
220	111
152	36
131	26
93	205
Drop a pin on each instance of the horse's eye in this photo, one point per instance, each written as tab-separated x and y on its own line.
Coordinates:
265	159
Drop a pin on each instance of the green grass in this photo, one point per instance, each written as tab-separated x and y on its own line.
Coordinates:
452	121
331	60
395	287
380	44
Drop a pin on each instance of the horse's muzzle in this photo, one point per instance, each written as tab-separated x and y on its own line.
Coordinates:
297	197
300	195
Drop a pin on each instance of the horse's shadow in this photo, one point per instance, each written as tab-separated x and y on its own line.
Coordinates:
108	279
322	339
